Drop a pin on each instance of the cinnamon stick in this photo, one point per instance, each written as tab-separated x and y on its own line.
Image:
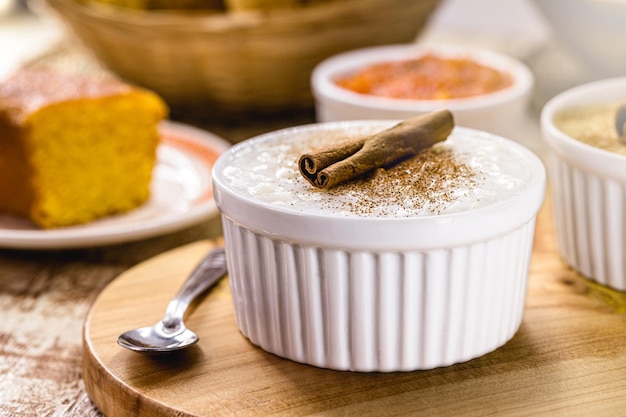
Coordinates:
351	159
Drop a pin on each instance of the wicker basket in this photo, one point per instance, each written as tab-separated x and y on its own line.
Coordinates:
237	61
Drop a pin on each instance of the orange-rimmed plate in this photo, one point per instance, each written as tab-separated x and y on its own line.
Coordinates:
181	196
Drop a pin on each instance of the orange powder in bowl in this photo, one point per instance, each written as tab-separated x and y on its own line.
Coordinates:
427	78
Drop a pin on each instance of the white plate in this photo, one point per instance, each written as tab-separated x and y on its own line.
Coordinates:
181	196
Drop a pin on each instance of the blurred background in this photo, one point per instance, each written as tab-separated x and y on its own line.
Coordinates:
516	27
526	29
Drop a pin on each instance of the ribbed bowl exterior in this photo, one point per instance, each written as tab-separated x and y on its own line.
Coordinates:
378	311
590	221
589	189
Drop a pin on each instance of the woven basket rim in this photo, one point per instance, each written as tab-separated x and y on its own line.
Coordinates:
212	21
241	61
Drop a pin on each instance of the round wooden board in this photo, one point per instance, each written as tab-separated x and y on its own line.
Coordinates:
568	358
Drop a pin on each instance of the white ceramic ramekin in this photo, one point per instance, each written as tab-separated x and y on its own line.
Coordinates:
503	112
378	294
589	190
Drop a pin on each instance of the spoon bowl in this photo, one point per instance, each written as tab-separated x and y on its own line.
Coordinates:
157	338
171	334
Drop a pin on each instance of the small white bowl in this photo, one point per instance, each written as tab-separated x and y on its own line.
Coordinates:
502	112
377	294
589	190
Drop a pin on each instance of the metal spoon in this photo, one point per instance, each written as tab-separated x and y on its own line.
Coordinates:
620	122
170	333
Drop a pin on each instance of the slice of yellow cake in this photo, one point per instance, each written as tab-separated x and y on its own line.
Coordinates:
75	148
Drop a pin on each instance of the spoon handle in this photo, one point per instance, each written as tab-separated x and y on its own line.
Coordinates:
620	123
206	274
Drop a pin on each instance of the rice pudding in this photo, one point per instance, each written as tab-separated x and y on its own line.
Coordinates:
465	172
593	124
588	180
429	271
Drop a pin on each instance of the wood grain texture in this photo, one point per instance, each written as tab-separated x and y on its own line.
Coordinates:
568	358
44	298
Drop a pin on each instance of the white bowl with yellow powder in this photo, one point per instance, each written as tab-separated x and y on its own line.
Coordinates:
484	89
588	179
419	266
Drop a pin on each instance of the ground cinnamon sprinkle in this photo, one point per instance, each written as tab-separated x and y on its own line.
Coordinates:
430	181
465	172
427	78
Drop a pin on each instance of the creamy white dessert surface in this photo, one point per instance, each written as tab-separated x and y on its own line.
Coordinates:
466	171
